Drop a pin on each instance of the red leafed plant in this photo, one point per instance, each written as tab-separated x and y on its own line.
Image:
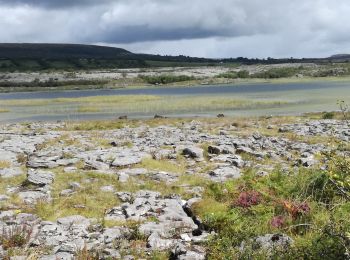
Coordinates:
278	221
296	209
247	199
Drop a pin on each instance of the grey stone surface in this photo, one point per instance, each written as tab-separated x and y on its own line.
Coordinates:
31	197
270	241
165	222
40	177
225	173
10	172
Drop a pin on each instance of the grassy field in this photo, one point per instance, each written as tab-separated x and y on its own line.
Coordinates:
140	104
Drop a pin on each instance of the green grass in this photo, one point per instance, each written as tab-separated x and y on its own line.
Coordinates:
88	109
233	224
93	125
10	182
163	165
94	201
140	104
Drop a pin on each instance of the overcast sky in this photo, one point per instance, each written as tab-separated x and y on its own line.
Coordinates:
205	28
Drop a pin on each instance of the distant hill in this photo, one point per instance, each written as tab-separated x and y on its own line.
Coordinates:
59	51
32	57
36	57
340	57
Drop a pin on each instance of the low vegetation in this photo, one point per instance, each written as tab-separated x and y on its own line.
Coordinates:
276	73
88	200
309	206
241	74
15	237
4	164
141	104
163	165
165	79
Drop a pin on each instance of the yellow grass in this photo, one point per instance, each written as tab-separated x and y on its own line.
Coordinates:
88	109
144	104
163	165
4	164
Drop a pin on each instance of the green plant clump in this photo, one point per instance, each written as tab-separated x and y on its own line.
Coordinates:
328	115
166	79
311	207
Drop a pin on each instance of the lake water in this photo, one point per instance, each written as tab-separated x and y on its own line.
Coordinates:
302	97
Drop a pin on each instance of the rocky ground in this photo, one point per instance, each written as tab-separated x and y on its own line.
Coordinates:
68	191
115	74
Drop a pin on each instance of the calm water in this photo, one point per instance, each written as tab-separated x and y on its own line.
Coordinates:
303	97
168	91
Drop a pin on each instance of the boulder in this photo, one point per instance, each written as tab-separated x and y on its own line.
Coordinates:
92	164
193	152
271	241
31	197
74	220
40	177
307	162
224	174
122	161
268	243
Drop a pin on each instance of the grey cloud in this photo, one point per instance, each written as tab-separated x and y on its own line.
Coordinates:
54	3
207	28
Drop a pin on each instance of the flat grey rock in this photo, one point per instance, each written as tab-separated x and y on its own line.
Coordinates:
40	177
270	241
224	174
107	189
10	172
73	220
4	197
123	161
31	197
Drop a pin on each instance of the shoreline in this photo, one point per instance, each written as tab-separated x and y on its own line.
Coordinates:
234	83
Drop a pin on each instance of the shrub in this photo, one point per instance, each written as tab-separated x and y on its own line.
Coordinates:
339	174
15	236
242	74
228	75
296	209
278	221
328	115
276	73
165	79
307	206
247	199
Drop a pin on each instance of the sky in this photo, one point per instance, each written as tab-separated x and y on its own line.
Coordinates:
201	28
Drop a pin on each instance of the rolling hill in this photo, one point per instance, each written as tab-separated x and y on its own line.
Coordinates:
36	57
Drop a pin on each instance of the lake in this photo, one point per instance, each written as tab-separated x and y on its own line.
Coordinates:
295	98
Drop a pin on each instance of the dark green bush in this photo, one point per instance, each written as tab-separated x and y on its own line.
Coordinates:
328	115
165	79
242	74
